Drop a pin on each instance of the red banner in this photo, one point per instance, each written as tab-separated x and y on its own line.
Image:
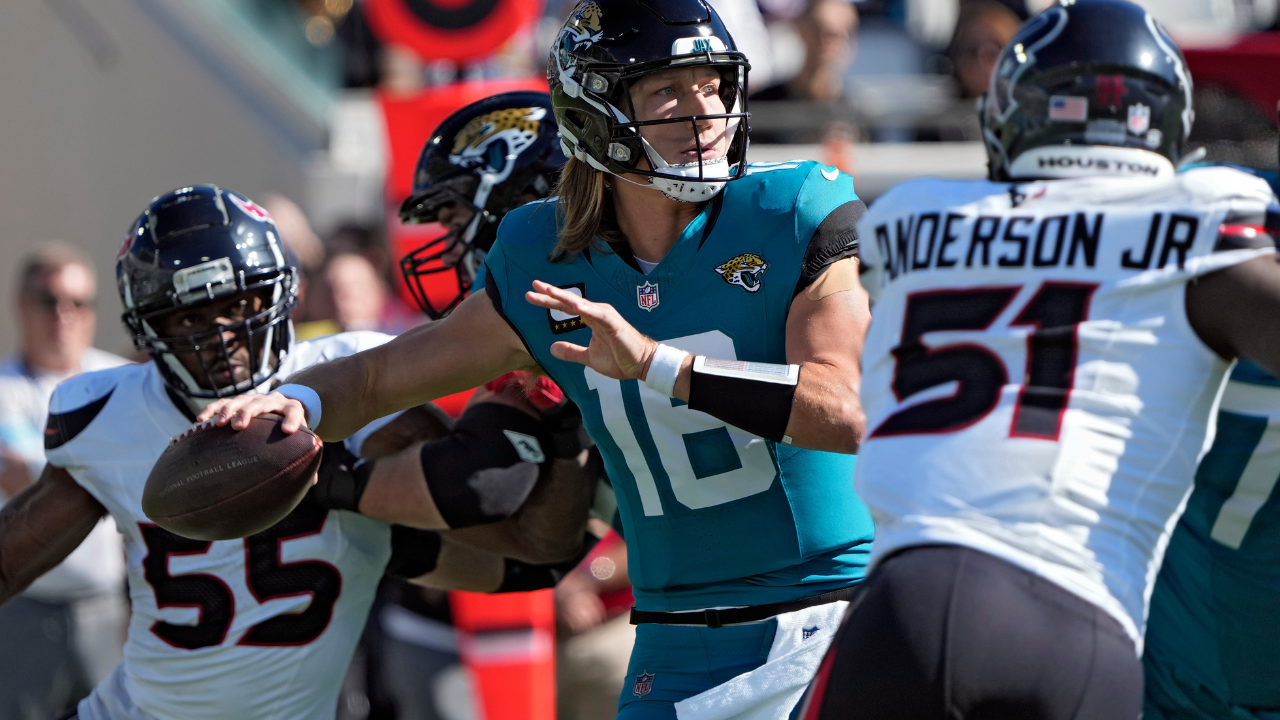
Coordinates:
1238	66
457	30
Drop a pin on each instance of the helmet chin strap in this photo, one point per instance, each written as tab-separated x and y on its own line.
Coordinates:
692	190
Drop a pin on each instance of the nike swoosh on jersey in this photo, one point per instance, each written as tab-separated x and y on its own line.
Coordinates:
831	174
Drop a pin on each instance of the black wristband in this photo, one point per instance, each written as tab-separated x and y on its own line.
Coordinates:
756	397
520	576
414	552
483	471
341	479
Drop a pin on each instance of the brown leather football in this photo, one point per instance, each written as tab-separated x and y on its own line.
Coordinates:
215	483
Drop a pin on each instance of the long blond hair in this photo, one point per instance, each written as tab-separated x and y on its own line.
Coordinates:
585	208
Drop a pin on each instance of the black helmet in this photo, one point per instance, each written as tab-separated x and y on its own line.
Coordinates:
486	157
1087	87
193	246
603	47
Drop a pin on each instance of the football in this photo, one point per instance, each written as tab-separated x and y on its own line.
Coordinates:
216	483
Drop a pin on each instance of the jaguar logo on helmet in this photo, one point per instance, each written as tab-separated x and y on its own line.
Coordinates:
744	271
582	30
584	23
475	143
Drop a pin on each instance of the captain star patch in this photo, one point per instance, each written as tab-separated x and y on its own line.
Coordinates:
562	322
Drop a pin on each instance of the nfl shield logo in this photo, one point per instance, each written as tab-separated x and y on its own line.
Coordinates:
647	296
644	684
1139	118
807	633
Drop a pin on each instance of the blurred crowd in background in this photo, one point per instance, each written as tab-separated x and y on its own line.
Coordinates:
829	76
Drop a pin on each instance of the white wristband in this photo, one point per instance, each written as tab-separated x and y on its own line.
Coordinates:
664	368
309	399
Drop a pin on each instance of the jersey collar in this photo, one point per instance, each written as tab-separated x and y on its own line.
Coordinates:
620	270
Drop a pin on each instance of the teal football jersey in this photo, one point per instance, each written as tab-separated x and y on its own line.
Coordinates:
1215	611
713	516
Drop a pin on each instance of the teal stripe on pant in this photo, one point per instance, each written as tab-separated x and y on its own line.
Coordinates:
685	661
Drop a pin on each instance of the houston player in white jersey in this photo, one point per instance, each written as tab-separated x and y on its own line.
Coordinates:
1040	375
262	627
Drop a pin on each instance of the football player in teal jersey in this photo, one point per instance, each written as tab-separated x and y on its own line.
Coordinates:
706	317
1214	634
1213	640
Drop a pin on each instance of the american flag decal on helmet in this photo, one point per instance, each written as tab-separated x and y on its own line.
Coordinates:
1068	108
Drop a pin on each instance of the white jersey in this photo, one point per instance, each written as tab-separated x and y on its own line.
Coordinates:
259	628
1032	385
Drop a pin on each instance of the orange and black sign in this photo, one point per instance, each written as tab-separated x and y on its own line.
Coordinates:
458	30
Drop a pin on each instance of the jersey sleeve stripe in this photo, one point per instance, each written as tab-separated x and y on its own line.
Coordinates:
1243	237
836	238
63	427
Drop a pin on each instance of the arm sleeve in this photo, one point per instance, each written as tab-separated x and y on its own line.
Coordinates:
827	213
414	552
522	577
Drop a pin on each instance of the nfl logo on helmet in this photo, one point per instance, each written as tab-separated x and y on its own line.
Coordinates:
647	296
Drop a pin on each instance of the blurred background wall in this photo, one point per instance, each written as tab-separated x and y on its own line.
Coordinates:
105	104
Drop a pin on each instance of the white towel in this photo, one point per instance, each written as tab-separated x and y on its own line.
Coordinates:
771	691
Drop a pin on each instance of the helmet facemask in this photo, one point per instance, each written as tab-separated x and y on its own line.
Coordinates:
265	335
458	251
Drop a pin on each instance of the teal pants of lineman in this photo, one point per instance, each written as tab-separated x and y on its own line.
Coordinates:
674	662
1173	695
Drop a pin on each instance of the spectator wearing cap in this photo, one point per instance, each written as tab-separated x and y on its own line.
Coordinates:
66	631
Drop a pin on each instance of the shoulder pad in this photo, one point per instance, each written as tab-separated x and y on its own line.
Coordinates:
531	226
918	193
1249	229
331	347
1221	182
75	404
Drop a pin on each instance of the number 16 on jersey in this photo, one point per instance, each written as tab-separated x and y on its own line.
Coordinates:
704	461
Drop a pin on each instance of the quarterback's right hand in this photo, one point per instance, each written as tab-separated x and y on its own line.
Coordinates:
240	409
